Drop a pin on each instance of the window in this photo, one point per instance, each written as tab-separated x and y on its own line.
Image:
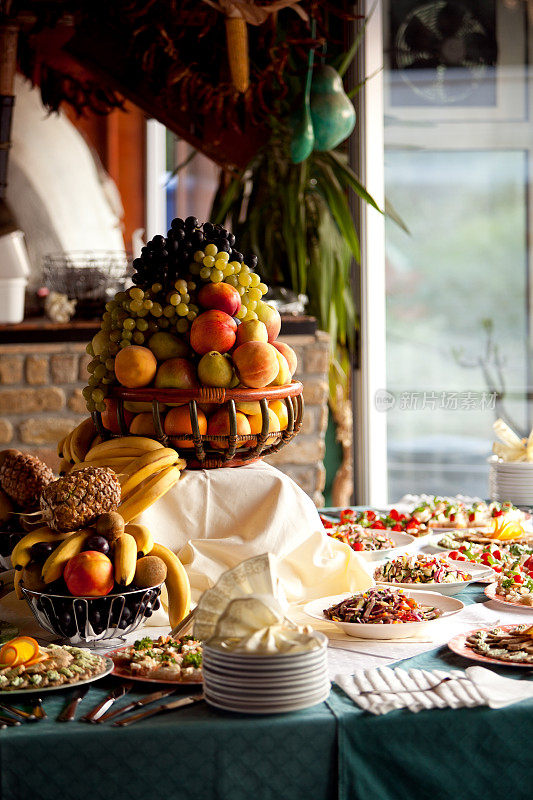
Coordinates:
457	160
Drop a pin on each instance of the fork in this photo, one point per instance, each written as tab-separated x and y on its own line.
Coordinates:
413	691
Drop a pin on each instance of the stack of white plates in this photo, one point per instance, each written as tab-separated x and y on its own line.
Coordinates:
512	482
265	684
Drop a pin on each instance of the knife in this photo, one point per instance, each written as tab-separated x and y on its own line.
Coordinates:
38	710
69	712
9	722
99	710
182	626
18	712
180	703
150	698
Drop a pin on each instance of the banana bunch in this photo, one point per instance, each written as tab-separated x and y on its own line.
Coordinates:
146	470
73	448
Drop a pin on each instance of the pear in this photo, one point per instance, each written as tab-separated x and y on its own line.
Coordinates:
332	111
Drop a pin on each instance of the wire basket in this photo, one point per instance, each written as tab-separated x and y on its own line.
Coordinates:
90	277
228	450
90	620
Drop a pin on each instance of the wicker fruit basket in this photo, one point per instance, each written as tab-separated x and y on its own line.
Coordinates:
208	451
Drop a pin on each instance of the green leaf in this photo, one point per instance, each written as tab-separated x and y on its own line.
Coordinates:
352	52
391	212
347	176
229	197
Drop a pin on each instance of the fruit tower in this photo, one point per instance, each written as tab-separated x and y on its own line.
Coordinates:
189	353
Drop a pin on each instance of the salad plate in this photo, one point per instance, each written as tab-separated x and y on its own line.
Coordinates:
107	669
444	607
421	566
491	592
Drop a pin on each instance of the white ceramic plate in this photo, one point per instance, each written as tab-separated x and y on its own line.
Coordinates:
259	671
41	690
265	708
267	693
229	679
446	605
297	660
448	589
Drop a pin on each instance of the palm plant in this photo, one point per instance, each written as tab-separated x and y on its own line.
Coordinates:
297	219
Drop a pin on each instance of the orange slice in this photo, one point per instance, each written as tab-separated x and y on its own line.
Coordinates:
19	651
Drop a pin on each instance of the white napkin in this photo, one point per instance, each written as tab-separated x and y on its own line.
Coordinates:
412	689
497	691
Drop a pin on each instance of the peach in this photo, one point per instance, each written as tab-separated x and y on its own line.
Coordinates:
251	331
220	296
270	316
218	425
89	574
176	373
289	354
280	410
256	363
109	416
248	407
213	330
135	366
143	424
178	421
284	374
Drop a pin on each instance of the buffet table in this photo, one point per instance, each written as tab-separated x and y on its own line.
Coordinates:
333	750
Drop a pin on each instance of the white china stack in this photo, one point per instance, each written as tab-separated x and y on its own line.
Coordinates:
267	683
512	482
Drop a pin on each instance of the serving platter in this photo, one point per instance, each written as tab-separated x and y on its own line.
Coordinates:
490	592
460	646
126	674
74	685
448	606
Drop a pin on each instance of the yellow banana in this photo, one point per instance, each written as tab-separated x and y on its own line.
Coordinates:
20	557
141	468
136	444
81	439
116	464
125	559
60	447
143	537
64	467
147	493
67	455
16	585
55	563
177	583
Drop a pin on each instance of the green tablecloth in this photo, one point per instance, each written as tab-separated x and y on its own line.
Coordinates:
334	750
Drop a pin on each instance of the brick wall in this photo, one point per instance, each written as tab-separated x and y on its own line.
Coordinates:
41	401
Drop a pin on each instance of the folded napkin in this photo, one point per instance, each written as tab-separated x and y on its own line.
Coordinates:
381	690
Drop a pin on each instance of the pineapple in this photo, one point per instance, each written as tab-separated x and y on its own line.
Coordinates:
23	477
77	499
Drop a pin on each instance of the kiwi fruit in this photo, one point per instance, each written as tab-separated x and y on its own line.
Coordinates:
6	507
110	525
150	571
32	578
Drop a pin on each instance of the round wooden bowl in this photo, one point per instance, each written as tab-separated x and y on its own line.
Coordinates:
233	449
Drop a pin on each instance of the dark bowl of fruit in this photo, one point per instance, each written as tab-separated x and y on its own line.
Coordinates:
89	621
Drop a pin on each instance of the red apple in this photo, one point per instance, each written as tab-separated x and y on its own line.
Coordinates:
89	574
176	373
270	316
213	330
109	416
220	296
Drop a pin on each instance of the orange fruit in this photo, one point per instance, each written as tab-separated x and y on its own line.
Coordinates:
280	410
178	421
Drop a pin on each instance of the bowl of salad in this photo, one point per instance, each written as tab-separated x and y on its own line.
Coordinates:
372	544
436	572
384	613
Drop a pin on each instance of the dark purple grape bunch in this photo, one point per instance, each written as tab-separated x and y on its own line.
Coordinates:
164	259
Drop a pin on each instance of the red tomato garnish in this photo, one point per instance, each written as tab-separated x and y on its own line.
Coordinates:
472	516
379	525
452	517
357	546
370	514
462	549
498	555
461	558
528	563
393	514
497	568
396	527
518	578
497	513
453	554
